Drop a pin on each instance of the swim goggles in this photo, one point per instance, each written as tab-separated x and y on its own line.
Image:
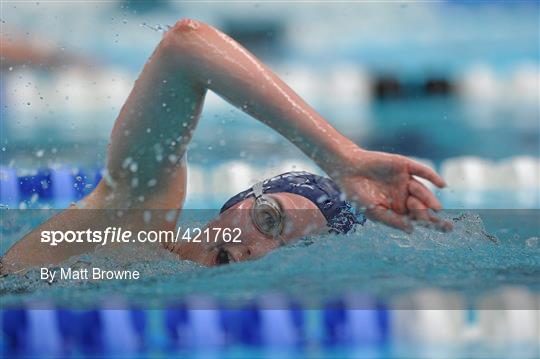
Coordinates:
266	213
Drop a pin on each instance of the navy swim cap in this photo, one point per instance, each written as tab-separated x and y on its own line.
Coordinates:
340	216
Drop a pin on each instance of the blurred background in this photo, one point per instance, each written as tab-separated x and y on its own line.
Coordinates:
453	83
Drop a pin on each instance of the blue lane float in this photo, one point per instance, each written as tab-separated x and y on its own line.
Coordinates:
271	323
49	332
201	323
9	188
32	332
58	187
354	321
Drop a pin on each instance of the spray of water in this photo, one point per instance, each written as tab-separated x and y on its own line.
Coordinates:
157	27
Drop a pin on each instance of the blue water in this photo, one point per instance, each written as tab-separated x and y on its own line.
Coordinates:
487	250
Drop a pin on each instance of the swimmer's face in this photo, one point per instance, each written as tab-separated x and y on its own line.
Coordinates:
249	242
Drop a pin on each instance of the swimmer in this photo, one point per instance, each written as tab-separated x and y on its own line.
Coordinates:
146	162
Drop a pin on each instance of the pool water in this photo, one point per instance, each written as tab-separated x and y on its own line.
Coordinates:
487	250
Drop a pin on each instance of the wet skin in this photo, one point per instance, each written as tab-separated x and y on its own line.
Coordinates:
301	218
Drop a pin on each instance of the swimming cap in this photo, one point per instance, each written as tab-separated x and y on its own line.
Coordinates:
340	216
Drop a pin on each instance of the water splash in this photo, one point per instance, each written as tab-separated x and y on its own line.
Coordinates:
374	259
157	27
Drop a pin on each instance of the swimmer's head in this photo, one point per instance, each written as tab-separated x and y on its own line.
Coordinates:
257	230
273	213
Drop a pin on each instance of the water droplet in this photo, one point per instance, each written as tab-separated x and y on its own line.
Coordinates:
148	130
172	158
40	153
126	162
3	149
133	167
152	182
147	216
10	68
164	104
170	216
44	184
532	242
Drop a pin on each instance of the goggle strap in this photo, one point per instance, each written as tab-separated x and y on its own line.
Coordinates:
258	189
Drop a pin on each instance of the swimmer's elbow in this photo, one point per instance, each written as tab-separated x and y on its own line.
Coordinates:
187	26
184	35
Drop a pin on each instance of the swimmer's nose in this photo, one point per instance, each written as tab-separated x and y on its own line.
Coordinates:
240	253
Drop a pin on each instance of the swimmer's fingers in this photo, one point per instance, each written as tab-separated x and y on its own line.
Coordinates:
390	218
421	192
420	170
419	213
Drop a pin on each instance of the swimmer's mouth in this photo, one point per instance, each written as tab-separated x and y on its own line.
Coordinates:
223	257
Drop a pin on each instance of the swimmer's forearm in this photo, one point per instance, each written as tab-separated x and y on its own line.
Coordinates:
30	252
222	65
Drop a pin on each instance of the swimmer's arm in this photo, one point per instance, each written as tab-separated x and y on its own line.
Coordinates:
95	213
31	252
382	183
220	64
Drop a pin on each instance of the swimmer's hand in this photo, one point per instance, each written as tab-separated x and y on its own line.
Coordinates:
384	186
